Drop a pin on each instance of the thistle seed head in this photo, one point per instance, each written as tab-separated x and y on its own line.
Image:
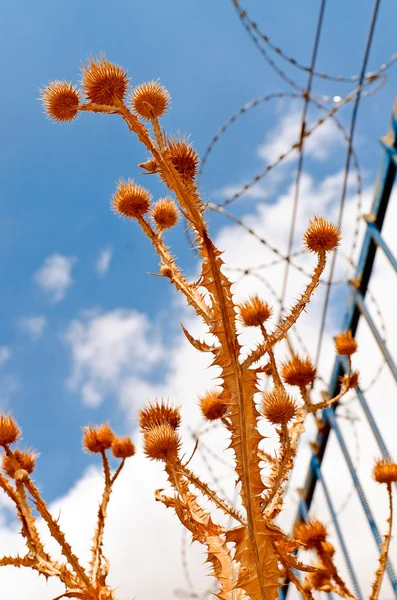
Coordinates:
212	405
254	312
157	414
61	101
9	430
321	236
165	213
162	442
278	407
130	200
150	100
97	439
385	471
345	343
184	158
312	534
123	447
25	460
298	371
104	82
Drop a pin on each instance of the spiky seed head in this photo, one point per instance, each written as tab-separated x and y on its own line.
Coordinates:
25	460
254	312
9	430
385	471
165	213
213	405
130	200
278	407
298	371
321	236
157	414
184	158
61	101
312	534
104	82
150	100
345	343
123	447
97	439
162	442
350	381
150	166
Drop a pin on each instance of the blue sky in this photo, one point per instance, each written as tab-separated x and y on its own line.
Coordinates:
57	181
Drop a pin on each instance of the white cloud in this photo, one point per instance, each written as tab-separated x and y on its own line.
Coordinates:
109	354
106	349
55	276
104	260
287	132
5	354
33	326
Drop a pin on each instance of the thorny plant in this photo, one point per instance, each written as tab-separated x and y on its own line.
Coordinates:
251	558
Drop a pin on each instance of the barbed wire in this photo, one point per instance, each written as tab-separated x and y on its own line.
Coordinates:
295	63
365	88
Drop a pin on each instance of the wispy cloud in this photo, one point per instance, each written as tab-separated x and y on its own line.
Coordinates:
287	132
33	326
55	276
104	260
5	354
108	347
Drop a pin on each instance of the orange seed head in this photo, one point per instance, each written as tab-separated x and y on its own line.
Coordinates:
184	158
61	101
19	460
212	405
104	82
385	471
165	213
298	371
321	236
123	447
97	439
254	312
162	442
150	100
312	534
345	343
130	200
278	407
9	430
157	414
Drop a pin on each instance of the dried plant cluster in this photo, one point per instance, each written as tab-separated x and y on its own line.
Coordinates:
252	557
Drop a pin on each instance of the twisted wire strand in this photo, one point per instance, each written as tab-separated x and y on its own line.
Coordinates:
346	171
244	16
303	125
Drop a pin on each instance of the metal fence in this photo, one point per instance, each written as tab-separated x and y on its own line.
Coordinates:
357	309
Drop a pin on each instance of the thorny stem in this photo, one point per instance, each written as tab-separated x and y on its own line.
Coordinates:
177	278
273	365
98	538
282	464
287	323
203	487
385	550
56	532
329	565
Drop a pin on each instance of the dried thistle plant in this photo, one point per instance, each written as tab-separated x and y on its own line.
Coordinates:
251	558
